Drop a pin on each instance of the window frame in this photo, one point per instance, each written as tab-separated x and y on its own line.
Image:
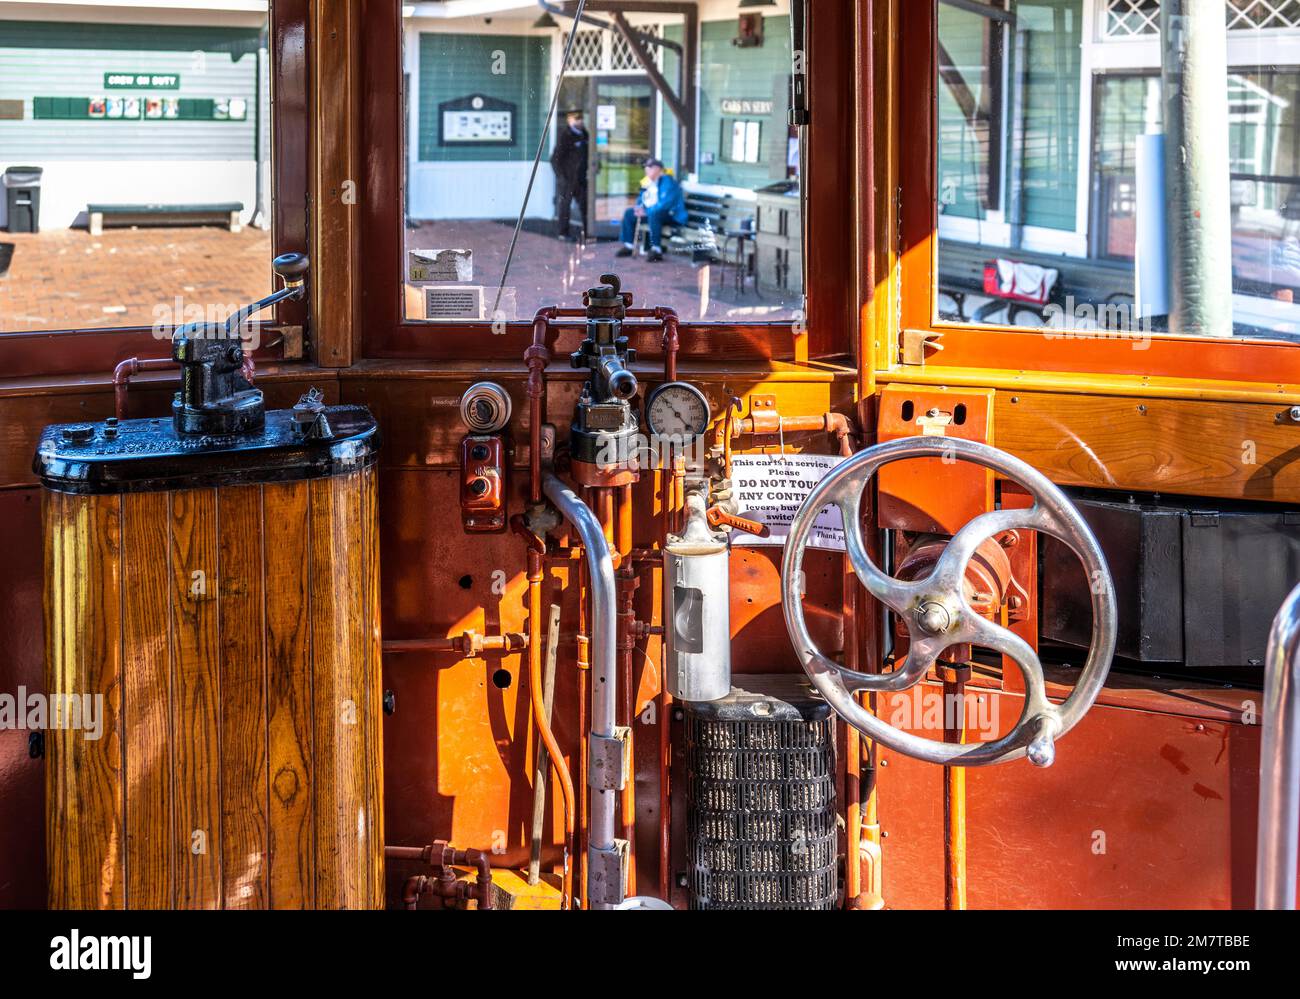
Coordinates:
830	288
1180	365
28	354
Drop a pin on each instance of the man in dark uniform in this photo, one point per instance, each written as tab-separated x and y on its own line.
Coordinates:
569	161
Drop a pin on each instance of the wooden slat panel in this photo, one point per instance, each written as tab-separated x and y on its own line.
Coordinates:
243	699
196	697
84	720
290	822
1232	450
57	638
338	652
373	717
146	708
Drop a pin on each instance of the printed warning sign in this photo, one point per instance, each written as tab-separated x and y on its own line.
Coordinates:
772	488
453	303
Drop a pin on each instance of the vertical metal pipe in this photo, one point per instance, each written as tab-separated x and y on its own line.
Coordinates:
626	646
1194	44
1279	763
954	789
604	658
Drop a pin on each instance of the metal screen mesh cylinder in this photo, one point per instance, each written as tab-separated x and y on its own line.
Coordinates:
761	820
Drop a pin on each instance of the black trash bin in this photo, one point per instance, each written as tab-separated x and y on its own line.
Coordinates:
22	189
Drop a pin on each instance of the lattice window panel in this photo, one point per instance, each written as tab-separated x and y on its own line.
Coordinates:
1247	15
1132	18
621	55
588	54
1140	18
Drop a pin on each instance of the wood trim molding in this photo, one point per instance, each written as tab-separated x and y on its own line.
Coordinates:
336	184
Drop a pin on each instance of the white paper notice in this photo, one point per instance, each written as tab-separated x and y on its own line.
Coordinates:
771	489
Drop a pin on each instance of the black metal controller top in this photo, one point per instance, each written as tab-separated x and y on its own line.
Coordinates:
216	397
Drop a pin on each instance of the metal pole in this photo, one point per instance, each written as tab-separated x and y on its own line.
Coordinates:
604	688
1194	44
259	219
1279	763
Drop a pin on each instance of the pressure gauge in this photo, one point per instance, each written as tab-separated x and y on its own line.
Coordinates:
676	409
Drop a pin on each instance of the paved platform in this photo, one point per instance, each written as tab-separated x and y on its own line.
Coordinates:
68	279
547	271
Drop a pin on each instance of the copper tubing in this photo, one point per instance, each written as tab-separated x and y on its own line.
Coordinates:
954	790
540	721
126	370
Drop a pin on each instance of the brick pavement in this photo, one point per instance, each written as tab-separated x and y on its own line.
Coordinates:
66	278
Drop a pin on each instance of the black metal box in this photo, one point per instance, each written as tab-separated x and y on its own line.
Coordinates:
1196	585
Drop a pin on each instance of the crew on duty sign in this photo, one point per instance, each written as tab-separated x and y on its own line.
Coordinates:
142	81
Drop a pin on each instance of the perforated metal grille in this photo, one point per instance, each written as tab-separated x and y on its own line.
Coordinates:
761	812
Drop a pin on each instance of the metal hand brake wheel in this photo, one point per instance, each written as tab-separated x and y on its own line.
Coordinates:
936	612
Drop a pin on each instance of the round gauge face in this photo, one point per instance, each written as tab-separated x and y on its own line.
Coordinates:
677	409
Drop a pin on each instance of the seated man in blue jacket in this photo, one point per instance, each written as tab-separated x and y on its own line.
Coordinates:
660	199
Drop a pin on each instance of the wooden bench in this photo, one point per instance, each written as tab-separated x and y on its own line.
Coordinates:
224	213
708	216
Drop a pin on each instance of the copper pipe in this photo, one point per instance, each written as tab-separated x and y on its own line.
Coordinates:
954	789
442	857
836	424
540	721
852	750
511	859
469	643
126	370
584	728
678	491
665	484
602	504
536	358
623	537
672	342
627	584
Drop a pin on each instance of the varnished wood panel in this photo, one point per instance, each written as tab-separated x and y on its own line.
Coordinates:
290	821
243	698
342	815
1231	450
196	696
84	672
146	641
234	636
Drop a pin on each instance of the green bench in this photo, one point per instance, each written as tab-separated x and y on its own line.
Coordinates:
224	213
